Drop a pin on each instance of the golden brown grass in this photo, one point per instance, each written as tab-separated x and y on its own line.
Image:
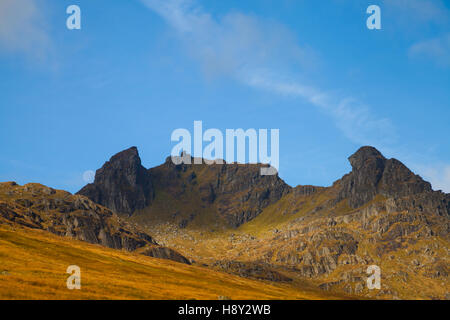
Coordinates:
33	265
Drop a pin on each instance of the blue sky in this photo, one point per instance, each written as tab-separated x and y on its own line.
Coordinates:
137	70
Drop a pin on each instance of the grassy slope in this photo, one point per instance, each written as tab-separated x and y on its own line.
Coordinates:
33	265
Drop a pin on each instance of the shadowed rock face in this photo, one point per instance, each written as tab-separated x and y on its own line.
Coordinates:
122	184
373	174
235	192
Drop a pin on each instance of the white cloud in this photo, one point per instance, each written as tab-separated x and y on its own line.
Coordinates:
233	43
437	49
22	27
263	55
353	118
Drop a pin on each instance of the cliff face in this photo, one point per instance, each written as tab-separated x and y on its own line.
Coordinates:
373	174
235	193
122	184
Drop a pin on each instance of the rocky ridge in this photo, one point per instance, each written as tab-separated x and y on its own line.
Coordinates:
236	193
75	216
380	213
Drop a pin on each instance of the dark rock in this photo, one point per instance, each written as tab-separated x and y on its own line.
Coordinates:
165	253
122	184
238	192
372	174
260	271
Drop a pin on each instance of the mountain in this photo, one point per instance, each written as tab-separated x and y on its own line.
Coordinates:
235	193
372	174
122	184
231	218
378	214
39	207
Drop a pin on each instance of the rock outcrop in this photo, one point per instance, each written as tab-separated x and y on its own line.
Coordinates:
373	174
260	271
235	192
164	253
74	216
122	184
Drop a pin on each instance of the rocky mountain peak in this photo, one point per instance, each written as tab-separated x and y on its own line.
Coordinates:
237	192
367	157
121	184
130	154
372	174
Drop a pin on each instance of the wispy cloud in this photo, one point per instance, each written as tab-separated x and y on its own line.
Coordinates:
22	28
263	54
437	49
233	43
352	117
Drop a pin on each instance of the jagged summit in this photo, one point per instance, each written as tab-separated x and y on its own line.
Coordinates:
130	152
121	184
236	192
373	174
359	158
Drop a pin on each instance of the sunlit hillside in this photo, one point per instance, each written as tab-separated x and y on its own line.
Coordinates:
33	265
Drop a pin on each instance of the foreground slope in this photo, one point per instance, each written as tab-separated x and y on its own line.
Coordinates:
34	262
